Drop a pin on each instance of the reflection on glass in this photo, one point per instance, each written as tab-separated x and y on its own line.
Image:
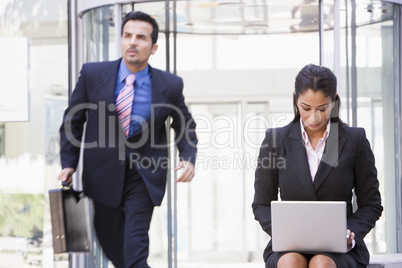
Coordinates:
99	34
375	90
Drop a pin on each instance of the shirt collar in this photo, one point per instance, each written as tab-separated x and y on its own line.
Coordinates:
305	136
139	76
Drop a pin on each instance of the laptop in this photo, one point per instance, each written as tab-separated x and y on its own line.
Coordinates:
309	226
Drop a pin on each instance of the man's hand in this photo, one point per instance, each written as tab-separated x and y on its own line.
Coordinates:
66	175
188	172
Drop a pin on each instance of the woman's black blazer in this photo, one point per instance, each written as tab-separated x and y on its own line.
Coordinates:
347	165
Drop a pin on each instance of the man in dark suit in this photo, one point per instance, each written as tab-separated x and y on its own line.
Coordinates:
125	104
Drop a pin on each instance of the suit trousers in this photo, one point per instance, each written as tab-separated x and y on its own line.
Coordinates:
123	231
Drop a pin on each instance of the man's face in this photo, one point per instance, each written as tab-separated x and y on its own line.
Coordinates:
136	44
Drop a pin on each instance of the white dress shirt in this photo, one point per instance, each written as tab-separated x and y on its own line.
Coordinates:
314	155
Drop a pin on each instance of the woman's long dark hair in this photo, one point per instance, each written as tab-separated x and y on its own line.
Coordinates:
317	78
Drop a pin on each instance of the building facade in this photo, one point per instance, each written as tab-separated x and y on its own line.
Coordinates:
238	60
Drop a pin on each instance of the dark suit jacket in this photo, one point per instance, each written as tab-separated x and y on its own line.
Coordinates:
347	164
106	150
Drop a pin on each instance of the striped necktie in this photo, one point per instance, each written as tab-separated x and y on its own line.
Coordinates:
124	102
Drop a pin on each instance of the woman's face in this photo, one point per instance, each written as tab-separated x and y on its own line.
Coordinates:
315	110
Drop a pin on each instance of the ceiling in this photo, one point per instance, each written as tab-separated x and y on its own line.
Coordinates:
267	16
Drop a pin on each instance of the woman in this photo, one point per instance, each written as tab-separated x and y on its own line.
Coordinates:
322	159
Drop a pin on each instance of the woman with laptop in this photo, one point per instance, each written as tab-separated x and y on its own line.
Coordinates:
318	158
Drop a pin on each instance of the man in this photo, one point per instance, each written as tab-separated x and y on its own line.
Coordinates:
125	104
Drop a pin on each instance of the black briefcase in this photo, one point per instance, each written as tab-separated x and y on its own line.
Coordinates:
69	211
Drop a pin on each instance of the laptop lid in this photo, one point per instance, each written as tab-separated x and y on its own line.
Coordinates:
309	226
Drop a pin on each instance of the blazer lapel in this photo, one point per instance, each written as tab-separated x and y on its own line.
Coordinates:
105	92
107	83
158	93
332	151
298	159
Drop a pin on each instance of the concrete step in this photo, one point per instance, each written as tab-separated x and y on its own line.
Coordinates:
385	261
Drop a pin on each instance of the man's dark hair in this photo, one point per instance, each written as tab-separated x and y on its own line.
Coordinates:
141	16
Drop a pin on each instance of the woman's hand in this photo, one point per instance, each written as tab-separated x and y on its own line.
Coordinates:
350	237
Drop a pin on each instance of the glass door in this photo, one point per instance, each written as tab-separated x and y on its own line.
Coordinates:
369	92
238	61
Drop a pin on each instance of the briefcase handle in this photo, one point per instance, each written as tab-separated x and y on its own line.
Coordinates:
65	185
